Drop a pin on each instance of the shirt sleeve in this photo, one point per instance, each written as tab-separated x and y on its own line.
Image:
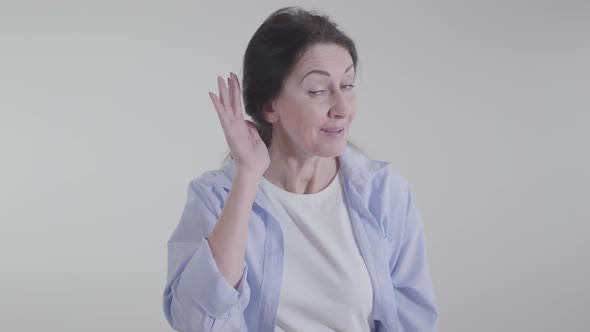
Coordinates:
196	296
417	309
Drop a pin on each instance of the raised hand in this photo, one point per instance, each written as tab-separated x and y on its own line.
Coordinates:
246	146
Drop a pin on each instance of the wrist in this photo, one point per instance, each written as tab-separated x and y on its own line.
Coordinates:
247	177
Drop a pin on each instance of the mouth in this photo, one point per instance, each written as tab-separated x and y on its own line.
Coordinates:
334	133
332	130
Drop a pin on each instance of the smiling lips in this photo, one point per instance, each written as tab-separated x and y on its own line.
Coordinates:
334	132
333	129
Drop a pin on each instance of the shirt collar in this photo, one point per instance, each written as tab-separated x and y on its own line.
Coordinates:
356	169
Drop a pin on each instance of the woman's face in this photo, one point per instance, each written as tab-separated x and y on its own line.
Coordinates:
317	98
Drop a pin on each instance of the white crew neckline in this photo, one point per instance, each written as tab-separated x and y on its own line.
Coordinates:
322	194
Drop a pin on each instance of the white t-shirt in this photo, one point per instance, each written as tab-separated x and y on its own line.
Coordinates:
325	285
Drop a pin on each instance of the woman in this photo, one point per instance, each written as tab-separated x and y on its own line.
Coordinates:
298	232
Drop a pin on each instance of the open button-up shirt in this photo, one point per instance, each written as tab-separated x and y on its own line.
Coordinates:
387	227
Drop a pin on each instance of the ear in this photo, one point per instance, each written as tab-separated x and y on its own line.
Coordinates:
270	113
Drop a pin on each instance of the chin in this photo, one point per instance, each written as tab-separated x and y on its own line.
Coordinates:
331	151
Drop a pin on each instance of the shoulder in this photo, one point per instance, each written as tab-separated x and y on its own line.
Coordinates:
375	180
213	179
370	174
205	191
388	182
387	197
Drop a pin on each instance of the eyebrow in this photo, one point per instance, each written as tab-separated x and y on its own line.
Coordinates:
321	72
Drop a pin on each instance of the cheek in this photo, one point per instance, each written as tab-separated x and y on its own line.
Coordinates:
353	112
308	123
352	99
308	114
353	106
301	119
305	117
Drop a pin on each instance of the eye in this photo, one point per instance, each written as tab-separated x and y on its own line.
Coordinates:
315	92
348	86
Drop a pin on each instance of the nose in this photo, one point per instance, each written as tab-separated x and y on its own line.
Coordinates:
341	105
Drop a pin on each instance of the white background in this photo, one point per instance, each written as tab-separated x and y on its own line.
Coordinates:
483	106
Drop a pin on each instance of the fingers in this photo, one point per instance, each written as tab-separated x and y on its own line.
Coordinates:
236	100
221	113
223	94
230	96
229	102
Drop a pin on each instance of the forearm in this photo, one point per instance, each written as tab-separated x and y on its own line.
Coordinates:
229	236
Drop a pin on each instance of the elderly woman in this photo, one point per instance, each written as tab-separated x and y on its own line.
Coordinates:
298	231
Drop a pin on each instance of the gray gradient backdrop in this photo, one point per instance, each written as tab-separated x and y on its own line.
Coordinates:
104	118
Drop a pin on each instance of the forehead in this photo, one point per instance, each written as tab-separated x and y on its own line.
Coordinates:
329	57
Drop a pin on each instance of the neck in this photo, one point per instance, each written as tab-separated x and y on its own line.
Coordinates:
299	172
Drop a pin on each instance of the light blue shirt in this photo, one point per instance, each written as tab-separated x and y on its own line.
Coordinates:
387	228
